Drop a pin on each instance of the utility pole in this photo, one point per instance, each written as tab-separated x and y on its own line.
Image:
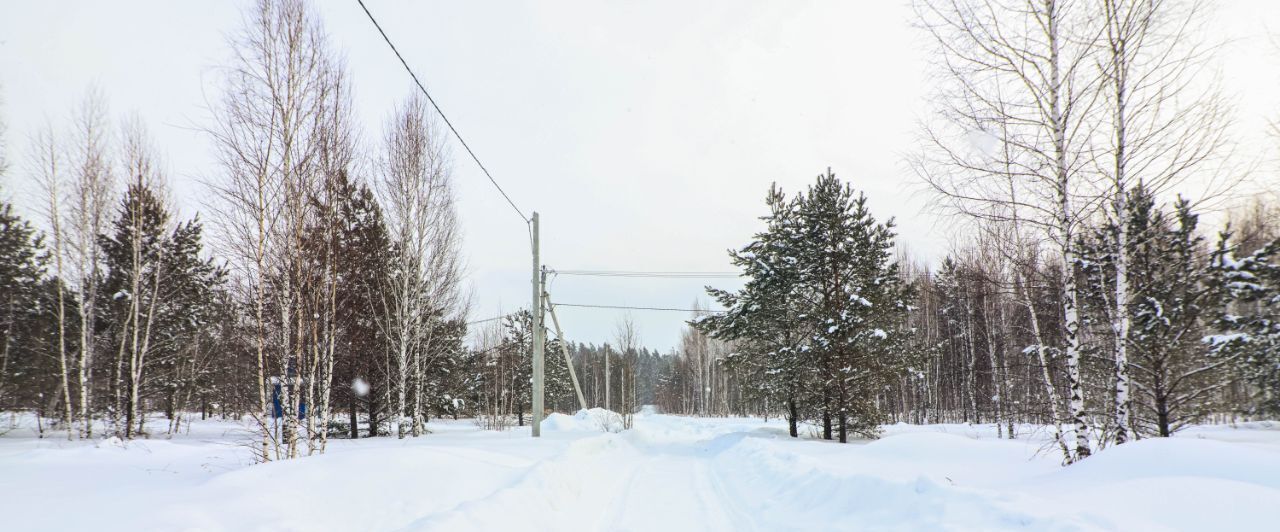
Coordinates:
606	377
535	307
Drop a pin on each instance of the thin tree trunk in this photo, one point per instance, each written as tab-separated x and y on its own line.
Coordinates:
1006	386
1066	229
792	417
55	219
971	375
1051	391
355	417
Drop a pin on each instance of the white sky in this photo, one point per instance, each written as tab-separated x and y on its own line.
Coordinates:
645	133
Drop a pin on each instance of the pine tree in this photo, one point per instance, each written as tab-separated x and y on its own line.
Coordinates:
361	252
558	386
1248	318
955	324
517	381
859	301
766	319
191	302
449	372
1177	376
823	312
134	255
21	282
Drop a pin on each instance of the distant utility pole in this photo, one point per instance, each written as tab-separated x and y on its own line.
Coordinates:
538	334
606	377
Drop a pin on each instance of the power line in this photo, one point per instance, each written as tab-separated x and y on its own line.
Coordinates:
495	318
645	274
635	308
441	113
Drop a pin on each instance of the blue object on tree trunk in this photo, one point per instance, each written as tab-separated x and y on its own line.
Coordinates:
277	409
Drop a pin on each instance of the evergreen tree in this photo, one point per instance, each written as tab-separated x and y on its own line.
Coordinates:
21	286
134	254
859	302
766	319
515	353
1249	319
824	308
188	311
955	331
558	387
1176	377
163	300
361	251
447	373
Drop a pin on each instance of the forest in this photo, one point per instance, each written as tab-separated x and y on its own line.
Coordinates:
322	292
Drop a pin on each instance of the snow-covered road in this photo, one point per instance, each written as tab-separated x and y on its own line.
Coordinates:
665	492
666	474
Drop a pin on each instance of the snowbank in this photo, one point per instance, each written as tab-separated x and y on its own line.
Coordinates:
592	420
1178	483
812	495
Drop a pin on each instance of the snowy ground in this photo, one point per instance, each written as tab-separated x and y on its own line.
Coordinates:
667	474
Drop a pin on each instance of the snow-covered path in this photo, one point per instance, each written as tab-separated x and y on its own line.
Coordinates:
665	492
637	480
666	474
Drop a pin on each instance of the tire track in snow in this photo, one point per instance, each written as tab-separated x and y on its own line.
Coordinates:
560	492
742	518
671	492
619	505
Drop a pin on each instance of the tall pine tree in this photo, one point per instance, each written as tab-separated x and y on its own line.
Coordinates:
822	316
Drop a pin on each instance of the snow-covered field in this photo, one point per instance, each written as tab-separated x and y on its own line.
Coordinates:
666	474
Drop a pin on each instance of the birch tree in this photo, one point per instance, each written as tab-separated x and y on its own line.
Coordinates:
265	131
416	191
628	339
335	158
1163	129
47	162
1016	103
91	195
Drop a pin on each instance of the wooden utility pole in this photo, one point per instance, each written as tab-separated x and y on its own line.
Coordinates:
535	306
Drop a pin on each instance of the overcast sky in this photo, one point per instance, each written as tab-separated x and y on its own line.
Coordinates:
645	133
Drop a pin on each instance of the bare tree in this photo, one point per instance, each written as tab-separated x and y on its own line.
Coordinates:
1164	127
696	347
489	342
266	132
91	195
1015	110
416	191
628	339
47	167
337	146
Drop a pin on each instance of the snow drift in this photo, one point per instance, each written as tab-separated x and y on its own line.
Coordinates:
592	420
